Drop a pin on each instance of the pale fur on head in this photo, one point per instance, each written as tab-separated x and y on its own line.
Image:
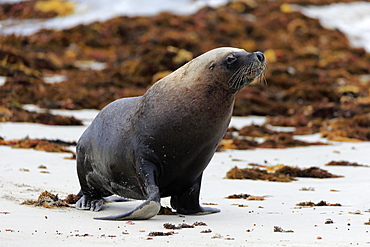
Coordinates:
205	65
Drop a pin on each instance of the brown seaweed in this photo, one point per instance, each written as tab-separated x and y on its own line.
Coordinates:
314	79
56	146
282	174
47	200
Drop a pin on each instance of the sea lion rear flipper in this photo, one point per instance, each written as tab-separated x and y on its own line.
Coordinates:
188	202
148	208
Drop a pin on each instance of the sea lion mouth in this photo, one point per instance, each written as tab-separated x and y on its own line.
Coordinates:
247	73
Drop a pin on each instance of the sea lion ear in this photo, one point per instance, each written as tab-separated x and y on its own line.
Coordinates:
213	64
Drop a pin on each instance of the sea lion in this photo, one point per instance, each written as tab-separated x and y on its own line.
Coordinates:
157	145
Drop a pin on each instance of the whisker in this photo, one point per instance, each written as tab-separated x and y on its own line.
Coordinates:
263	75
236	77
242	76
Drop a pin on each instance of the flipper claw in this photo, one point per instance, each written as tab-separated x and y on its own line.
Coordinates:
88	203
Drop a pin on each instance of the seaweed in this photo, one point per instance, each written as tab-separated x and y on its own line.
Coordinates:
47	200
56	146
282	174
345	163
319	204
314	79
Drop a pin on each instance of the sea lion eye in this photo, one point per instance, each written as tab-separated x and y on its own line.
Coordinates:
230	59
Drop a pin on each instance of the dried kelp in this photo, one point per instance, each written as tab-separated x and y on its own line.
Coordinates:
283	174
313	75
319	204
345	163
47	200
56	146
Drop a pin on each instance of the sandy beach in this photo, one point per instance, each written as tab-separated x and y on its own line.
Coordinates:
240	223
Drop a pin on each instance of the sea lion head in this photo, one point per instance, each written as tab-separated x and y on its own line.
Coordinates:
221	70
236	67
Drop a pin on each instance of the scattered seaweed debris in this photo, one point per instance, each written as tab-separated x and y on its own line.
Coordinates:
356	128
247	197
11	113
311	172
256	174
155	234
273	139
166	211
329	221
279	229
256	198
237	143
319	204
285	140
255	130
357	212
72	199
307	189
209	203
172	226
345	163
283	174
56	146
183	225
46	200
180	226
238	196
199	223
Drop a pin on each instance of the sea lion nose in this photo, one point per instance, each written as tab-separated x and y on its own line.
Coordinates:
260	56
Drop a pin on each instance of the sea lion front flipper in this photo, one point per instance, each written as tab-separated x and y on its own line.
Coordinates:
188	201
89	203
148	208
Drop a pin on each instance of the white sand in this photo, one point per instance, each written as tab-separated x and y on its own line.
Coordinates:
234	226
353	21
